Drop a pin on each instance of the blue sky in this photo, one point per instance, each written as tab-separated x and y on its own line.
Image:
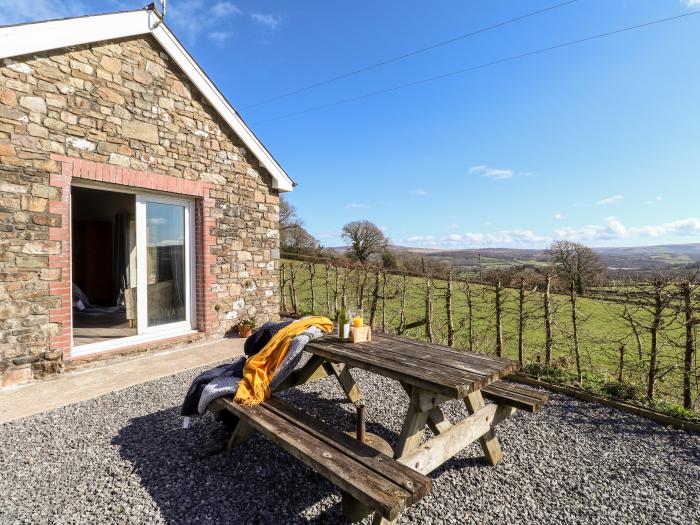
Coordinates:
598	142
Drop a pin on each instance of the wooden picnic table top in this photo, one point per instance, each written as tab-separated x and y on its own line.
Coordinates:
436	368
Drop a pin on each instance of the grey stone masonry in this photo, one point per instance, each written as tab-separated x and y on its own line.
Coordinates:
122	103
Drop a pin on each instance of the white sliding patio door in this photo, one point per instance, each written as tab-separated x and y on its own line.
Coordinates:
164	264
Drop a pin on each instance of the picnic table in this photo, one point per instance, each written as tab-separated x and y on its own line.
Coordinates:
431	375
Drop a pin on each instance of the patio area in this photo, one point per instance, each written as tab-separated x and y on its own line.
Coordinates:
130	461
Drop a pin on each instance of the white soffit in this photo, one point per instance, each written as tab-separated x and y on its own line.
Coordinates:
37	37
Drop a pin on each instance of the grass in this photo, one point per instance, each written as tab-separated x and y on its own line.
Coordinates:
602	331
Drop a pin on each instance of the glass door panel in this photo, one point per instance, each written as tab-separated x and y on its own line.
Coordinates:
165	263
163	242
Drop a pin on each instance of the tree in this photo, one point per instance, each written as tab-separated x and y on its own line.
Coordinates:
288	216
389	260
365	238
578	264
298	240
293	236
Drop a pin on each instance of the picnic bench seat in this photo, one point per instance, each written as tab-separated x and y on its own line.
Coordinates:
378	481
515	396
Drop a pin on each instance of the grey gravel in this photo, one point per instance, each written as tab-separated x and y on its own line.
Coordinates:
125	458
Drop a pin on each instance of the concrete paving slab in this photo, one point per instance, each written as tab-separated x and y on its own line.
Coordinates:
73	387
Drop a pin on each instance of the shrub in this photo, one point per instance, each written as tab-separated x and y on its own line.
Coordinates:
620	390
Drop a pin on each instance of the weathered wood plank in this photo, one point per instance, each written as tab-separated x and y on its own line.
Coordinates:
369	487
443	447
452	376
489	443
409	373
486	360
462	360
416	484
515	396
460	380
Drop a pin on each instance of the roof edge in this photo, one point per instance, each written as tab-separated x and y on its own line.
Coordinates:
36	37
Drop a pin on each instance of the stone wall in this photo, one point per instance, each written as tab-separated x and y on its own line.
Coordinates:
122	103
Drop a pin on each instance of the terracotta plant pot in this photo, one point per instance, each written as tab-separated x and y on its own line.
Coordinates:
244	330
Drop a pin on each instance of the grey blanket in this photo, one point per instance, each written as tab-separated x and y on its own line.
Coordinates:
226	386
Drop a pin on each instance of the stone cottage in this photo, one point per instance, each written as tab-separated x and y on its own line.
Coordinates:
137	209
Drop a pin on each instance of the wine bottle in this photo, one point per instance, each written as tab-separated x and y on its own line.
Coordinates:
343	323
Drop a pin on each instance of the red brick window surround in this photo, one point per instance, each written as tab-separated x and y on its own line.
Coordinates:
101	172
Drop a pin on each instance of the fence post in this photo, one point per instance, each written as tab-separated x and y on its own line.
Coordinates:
548	320
283	281
521	320
292	287
448	308
312	275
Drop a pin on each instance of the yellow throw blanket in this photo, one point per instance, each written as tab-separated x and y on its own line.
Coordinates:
260	368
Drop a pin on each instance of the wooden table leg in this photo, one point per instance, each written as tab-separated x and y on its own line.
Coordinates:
437	421
240	434
347	382
413	425
489	442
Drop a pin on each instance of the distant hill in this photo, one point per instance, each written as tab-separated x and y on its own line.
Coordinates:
641	258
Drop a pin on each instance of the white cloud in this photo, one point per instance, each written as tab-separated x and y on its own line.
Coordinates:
18	11
272	22
559	216
613	229
220	37
610	231
194	18
471	239
224	9
491	173
419	192
657	199
356	205
690	3
453	226
611	200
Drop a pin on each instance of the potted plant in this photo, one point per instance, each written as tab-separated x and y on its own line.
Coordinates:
245	326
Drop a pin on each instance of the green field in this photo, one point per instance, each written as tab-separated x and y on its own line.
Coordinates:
602	329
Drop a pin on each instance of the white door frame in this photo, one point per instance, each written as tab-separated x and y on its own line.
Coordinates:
141	268
146	334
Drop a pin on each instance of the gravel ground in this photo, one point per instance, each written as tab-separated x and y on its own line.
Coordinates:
124	458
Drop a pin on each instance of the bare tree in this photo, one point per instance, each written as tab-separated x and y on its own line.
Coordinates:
283	282
448	309
293	236
655	302
577	263
547	304
292	287
499	279
521	319
428	306
288	215
573	297
375	299
312	277
365	238
688	288
298	240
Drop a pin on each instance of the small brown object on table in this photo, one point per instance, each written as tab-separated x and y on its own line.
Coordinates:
360	334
